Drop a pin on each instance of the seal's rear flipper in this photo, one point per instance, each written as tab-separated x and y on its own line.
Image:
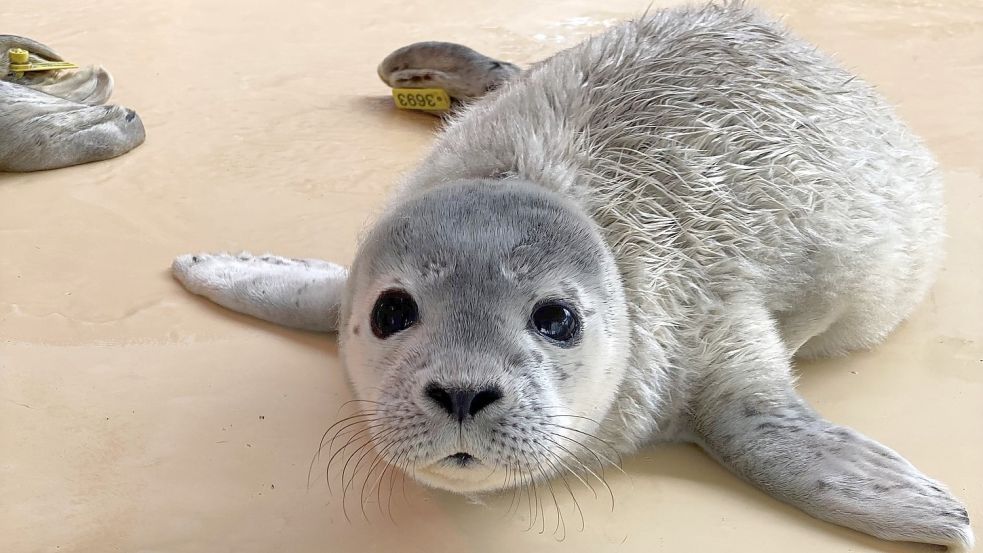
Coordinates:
39	131
53	118
13	41
750	419
90	86
299	293
462	72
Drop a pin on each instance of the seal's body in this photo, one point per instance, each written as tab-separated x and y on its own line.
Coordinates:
628	243
722	162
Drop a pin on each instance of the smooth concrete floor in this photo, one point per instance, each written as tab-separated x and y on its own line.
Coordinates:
135	417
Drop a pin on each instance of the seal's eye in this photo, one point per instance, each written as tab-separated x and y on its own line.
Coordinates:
555	321
393	312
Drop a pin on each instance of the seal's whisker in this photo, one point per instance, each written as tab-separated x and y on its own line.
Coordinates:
515	500
506	485
391	466
352	420
364	449
320	447
413	467
351	482
395	466
350	401
380	458
403	472
601	459
615	464
600	478
363	432
380	453
566	483
556	504
535	500
583	465
561	522
339	433
367	447
355	428
586	483
598	439
522	489
559	415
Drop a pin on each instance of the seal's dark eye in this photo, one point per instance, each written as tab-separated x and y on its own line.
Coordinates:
393	312
555	321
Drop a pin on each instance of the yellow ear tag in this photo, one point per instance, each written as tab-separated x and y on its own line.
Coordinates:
20	63
425	99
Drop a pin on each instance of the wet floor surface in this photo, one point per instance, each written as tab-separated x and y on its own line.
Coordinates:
136	417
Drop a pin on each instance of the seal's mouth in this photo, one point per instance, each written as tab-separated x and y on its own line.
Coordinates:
461	472
461	459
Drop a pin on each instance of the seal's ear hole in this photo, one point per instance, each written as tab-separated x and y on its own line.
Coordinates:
394	311
555	320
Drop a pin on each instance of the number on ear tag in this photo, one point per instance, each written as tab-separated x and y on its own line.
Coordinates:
426	99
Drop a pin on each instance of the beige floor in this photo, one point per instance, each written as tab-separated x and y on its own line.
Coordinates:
134	417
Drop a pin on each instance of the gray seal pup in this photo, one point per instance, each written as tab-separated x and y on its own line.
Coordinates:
57	119
628	243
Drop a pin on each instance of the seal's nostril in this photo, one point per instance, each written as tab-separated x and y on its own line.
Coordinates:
483	399
441	397
462	403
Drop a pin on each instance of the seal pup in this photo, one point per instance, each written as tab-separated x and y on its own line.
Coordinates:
628	243
56	119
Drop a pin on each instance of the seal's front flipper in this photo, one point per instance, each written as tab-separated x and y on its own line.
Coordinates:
752	421
462	72
299	293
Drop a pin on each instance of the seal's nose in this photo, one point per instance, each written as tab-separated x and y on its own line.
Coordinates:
462	403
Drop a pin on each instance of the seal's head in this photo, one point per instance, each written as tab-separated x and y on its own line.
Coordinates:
487	323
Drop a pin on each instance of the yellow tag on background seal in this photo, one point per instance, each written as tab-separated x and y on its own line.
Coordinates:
426	99
20	63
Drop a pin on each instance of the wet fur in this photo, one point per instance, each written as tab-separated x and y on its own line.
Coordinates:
757	202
